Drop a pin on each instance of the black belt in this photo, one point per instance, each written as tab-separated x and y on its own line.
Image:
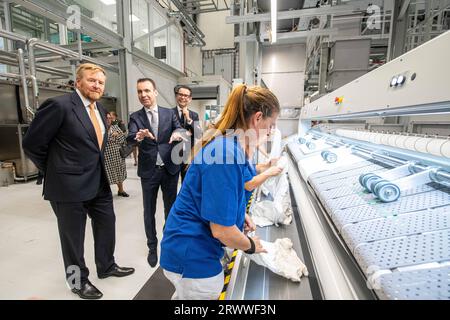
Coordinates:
159	166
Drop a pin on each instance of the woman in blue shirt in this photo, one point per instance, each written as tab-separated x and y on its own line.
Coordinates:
209	212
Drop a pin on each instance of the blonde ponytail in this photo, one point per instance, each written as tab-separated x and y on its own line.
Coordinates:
242	103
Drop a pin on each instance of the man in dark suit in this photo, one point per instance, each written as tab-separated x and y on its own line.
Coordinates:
157	129
66	141
189	120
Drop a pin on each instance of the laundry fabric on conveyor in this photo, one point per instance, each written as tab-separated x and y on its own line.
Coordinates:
281	259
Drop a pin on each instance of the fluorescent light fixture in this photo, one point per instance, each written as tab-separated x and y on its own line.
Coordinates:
133	18
273	19
145	30
108	2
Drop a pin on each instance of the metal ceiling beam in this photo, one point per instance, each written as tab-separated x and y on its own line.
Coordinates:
189	25
292	14
149	34
293	35
404	9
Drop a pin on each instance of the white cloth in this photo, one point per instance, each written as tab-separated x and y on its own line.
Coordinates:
281	259
195	289
278	211
270	186
266	213
275	150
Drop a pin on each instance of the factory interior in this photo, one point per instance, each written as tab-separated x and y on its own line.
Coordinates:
361	210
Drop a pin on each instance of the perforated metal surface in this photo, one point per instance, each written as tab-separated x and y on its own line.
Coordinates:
376	210
344	191
351	167
396	226
404	251
352	200
412	232
429	284
423	188
346	174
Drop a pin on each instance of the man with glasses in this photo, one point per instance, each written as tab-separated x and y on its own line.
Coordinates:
189	120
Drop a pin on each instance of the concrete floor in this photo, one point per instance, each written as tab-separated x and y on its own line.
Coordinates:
31	265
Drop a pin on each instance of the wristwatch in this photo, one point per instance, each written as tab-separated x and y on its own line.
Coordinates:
252	246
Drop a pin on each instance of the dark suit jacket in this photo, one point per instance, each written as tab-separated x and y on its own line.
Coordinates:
148	148
194	128
62	143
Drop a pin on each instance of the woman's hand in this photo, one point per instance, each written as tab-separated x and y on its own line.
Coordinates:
258	246
273	171
273	162
249	225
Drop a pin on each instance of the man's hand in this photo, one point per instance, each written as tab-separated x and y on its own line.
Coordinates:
144	133
249	225
176	136
186	114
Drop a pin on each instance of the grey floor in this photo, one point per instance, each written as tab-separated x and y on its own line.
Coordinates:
31	264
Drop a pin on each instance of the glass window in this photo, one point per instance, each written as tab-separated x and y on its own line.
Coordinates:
53	33
175	48
159	39
139	22
27	24
101	11
32	25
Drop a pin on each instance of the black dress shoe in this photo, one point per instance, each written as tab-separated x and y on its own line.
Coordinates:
152	257
117	271
123	194
88	291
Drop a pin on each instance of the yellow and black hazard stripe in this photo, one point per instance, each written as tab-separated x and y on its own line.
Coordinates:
230	265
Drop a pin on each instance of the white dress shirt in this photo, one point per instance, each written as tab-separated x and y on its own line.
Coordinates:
86	104
180	113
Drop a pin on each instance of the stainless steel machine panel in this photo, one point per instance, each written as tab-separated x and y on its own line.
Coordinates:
8	104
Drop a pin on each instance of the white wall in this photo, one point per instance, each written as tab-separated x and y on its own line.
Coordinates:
193	58
283	73
218	34
164	84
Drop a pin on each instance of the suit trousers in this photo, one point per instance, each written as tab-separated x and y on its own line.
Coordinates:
150	187
183	171
71	217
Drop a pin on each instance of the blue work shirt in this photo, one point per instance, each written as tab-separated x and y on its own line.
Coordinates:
212	191
249	174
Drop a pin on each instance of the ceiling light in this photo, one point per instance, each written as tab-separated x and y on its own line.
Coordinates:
145	30
108	2
273	19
